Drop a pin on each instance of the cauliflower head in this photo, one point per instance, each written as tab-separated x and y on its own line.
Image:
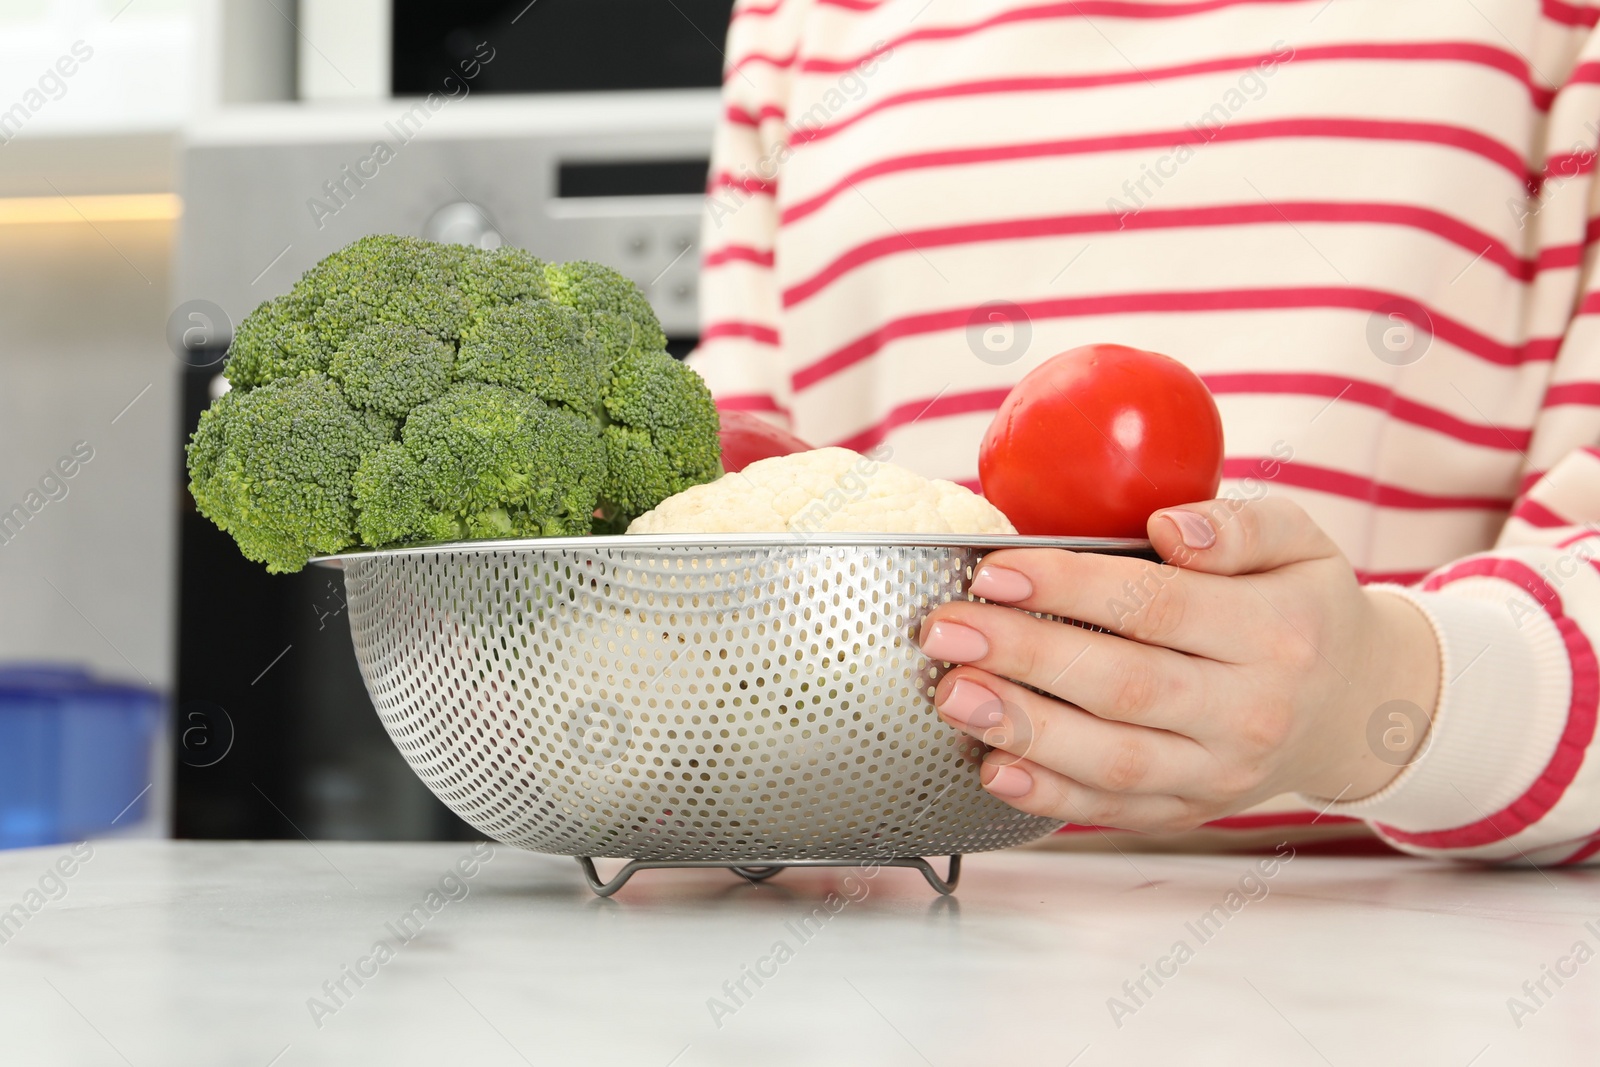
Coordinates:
825	490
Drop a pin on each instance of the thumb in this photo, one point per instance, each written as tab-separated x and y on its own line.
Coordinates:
1238	536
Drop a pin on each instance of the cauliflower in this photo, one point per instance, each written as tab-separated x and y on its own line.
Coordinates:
826	490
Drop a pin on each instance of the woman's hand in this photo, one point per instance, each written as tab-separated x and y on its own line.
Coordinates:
1247	666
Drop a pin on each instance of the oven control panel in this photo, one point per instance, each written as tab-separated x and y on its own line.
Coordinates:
265	198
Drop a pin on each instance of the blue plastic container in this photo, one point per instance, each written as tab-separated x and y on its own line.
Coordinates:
75	755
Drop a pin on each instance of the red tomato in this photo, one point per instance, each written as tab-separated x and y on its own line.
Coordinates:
747	438
1094	440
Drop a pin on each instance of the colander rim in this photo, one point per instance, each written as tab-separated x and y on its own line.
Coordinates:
1122	546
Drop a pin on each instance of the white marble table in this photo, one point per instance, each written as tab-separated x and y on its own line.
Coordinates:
175	954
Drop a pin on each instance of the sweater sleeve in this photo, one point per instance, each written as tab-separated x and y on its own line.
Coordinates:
740	351
1510	769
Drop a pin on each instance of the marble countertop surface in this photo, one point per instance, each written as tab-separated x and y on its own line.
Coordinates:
170	954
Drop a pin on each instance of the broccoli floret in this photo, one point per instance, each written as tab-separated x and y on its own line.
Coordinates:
390	369
539	347
504	276
392	501
405	392
400	280
275	341
615	336
469	443
619	317
635	472
504	463
569	469
663	435
382	427
273	467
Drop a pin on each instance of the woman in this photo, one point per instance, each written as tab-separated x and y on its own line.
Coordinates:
1368	226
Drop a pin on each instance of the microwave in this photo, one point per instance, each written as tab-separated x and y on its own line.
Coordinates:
372	49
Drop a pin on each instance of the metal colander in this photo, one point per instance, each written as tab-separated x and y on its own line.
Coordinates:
749	701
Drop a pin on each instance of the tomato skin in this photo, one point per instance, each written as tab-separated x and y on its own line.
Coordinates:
747	438
1094	440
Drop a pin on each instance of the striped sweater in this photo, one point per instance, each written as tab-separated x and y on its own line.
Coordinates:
1370	225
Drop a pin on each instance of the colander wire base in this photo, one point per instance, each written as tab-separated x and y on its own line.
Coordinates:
760	872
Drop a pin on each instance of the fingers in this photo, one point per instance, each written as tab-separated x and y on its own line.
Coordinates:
1101	673
1154	603
1111	756
1238	537
1188	603
1037	790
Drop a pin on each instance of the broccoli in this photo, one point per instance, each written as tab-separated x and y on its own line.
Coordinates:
406	392
272	466
398	280
540	347
508	464
591	287
661	435
619	318
660	422
504	276
391	369
391	500
276	341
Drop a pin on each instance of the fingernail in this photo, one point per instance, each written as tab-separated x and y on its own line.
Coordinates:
954	643
1001	583
970	705
1010	781
1195	531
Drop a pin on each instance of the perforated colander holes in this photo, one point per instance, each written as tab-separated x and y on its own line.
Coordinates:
570	839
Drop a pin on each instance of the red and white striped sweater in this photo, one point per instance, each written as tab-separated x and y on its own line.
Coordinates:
1370	225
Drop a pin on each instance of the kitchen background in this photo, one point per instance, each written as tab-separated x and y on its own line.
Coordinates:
166	165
